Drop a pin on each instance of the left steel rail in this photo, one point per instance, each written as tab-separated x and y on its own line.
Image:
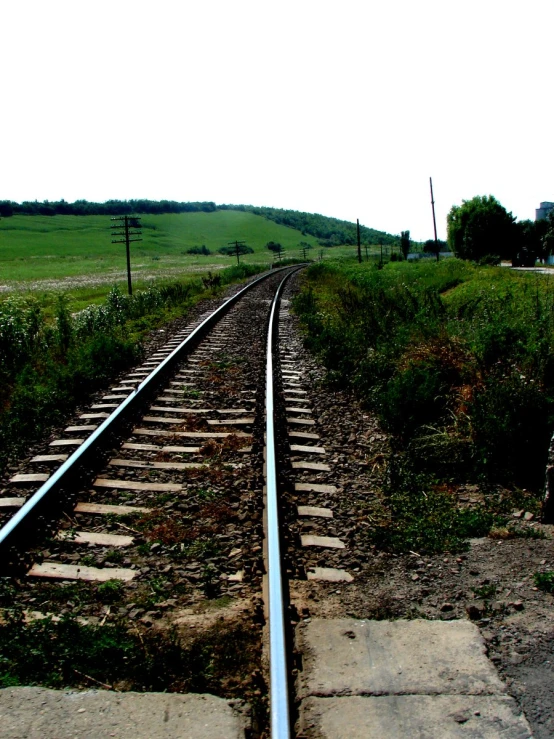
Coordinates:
24	525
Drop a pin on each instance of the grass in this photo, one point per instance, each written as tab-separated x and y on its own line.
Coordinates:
37	248
223	660
458	362
42	253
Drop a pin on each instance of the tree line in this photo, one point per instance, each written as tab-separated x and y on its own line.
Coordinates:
109	208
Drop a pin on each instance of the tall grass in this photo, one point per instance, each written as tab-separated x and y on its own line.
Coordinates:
457	360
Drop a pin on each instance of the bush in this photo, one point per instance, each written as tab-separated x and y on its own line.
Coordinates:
199	250
458	361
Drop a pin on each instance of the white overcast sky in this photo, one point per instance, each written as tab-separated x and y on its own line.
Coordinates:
342	108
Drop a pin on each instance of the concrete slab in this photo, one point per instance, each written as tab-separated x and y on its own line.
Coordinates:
308	510
38	713
314	487
409	716
329	542
329	574
401	679
351	657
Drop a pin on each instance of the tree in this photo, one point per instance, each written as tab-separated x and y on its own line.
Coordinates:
276	248
434	247
6	209
530	243
405	243
481	227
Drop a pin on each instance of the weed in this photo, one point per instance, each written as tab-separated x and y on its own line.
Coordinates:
424	517
61	654
110	591
544	581
205	494
485	592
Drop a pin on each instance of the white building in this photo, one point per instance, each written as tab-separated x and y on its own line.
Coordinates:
541	214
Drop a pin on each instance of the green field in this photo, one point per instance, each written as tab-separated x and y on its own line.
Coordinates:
55	248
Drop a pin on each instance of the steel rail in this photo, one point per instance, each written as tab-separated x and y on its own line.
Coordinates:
24	521
279	689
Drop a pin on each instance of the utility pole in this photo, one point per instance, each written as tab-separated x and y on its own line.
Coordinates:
305	248
238	248
359	246
381	245
127	223
366	254
434	220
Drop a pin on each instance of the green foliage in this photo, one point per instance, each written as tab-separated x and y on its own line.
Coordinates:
62	654
458	361
231	250
199	250
432	247
544	581
111	590
328	231
481	226
425	518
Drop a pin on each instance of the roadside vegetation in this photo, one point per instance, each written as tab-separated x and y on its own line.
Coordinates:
51	358
458	362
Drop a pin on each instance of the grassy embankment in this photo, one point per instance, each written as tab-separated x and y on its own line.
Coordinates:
458	361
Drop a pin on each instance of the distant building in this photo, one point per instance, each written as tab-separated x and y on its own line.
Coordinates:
541	214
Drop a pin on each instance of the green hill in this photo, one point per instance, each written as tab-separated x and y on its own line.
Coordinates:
59	246
53	247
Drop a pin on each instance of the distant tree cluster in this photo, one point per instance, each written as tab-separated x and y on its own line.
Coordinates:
482	230
231	250
199	250
430	246
109	208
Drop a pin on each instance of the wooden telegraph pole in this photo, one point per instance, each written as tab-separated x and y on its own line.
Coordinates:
239	248
434	220
359	243
127	223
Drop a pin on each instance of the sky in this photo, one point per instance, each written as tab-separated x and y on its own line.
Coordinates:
344	109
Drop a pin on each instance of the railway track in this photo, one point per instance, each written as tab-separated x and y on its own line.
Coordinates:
221	494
